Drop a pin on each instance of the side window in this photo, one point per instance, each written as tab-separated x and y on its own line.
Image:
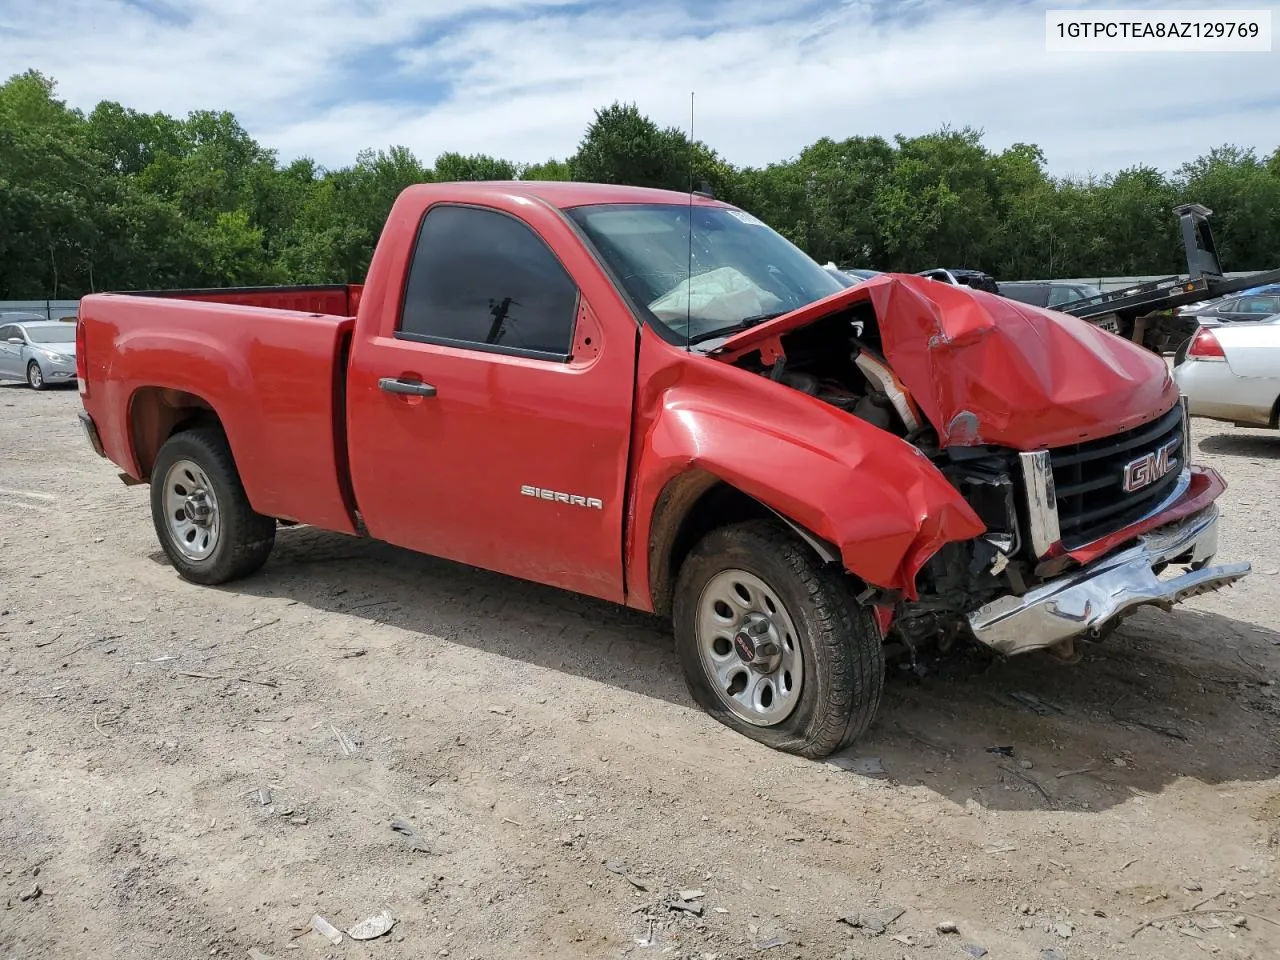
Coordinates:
6	333
1260	305
482	277
1231	306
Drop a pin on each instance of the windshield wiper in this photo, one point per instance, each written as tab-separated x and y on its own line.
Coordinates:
743	324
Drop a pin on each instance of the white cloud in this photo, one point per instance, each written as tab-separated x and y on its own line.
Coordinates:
521	77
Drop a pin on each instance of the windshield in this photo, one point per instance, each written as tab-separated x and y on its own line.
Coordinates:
59	334
743	271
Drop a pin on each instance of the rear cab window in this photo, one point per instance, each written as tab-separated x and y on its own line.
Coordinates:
482	280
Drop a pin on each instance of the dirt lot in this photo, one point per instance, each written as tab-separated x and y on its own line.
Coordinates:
549	761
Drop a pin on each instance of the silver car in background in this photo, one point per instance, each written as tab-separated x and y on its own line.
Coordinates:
1231	372
39	351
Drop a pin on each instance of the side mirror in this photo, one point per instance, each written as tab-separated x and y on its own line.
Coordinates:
17	341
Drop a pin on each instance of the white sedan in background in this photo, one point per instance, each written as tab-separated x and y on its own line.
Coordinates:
1231	372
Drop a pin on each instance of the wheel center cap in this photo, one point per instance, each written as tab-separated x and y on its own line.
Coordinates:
196	508
755	645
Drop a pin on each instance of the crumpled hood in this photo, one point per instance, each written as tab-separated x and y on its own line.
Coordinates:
987	370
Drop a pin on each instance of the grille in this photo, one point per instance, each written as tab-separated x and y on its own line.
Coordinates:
1088	479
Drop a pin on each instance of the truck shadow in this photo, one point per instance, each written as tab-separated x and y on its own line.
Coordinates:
1262	447
1168	696
1187	694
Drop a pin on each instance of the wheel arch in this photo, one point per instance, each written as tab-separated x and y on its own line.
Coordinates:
156	414
690	506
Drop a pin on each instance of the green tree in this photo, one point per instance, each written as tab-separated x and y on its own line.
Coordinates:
548	170
52	188
622	145
937	206
1244	194
120	199
478	166
130	141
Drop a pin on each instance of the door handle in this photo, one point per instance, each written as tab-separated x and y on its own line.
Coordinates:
413	388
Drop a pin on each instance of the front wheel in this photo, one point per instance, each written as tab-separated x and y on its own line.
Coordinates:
772	642
35	376
203	519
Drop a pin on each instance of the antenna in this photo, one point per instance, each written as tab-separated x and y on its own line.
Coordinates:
688	274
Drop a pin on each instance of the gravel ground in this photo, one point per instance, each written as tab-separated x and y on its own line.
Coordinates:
193	772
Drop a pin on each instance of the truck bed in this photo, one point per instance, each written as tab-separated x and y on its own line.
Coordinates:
274	378
338	299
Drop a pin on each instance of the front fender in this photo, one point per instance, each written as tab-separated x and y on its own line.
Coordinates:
874	496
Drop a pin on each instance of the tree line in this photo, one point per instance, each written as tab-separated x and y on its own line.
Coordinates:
117	199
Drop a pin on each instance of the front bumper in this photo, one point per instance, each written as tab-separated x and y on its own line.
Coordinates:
58	371
1085	601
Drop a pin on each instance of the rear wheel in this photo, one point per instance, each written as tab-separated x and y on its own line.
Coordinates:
773	643
202	517
35	376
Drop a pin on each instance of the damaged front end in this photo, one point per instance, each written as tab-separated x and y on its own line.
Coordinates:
1106	520
1089	601
1068	444
1025	585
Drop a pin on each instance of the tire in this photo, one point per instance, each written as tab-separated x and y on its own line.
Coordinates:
193	472
834	663
35	377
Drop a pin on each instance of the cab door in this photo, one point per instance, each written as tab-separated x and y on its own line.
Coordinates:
10	353
489	407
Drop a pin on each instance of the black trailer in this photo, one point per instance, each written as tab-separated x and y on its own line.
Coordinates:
1146	313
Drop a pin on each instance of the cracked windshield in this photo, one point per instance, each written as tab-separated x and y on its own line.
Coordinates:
743	272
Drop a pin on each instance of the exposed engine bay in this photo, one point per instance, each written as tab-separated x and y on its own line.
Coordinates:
1070	447
837	360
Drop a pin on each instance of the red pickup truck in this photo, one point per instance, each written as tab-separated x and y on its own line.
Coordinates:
655	399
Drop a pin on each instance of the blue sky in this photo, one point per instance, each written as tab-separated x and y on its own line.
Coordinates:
520	78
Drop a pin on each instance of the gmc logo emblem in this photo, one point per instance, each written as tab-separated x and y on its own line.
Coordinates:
1147	469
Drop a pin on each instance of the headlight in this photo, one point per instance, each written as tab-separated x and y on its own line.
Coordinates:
55	357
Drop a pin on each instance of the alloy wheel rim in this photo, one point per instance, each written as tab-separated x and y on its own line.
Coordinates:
749	648
191	510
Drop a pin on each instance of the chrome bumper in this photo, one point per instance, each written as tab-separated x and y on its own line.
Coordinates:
1087	600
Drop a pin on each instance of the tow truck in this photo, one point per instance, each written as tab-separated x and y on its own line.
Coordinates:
1147	313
